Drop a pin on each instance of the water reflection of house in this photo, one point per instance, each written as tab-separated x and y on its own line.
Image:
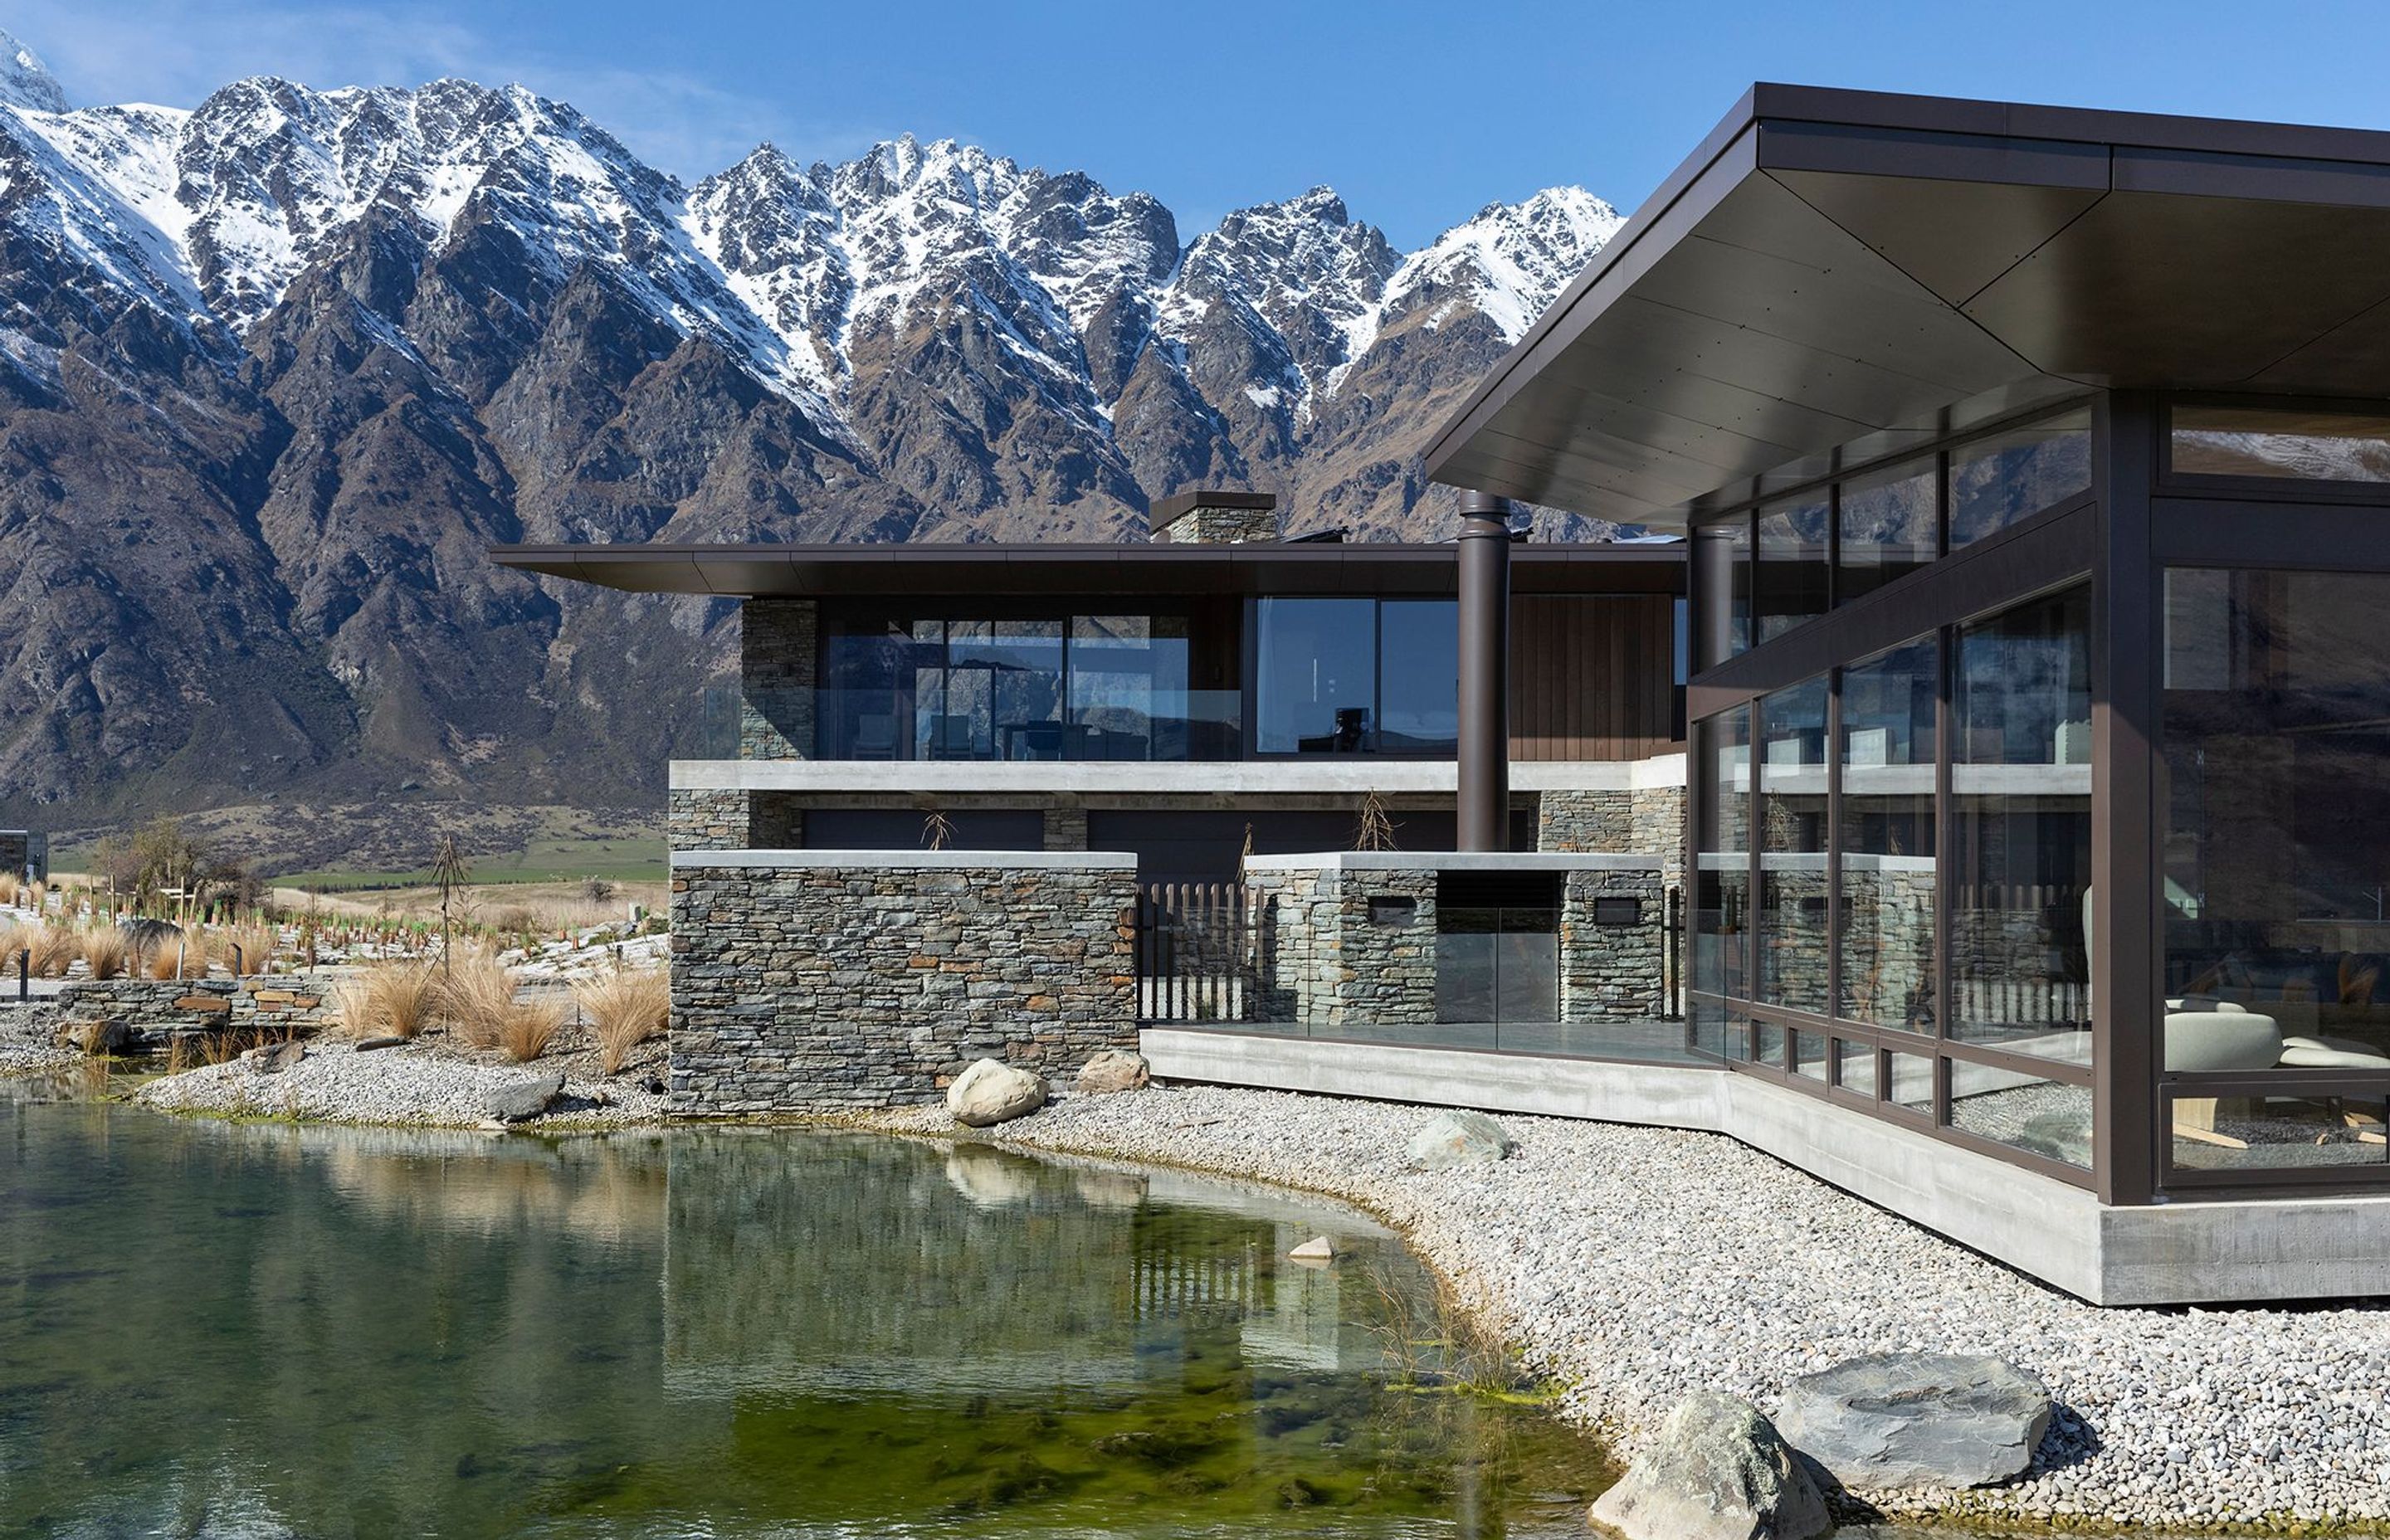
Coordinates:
855	1267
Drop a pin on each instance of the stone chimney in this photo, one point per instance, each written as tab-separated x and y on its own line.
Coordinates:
1215	519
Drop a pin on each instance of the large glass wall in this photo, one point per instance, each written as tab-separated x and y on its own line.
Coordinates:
1890	706
1794	551
1721	769
1909	832
2276	898
1793	847
1054	688
2021	829
1356	676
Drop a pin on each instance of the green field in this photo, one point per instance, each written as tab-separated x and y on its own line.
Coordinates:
563	860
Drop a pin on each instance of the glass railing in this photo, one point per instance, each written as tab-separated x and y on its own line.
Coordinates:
1163	726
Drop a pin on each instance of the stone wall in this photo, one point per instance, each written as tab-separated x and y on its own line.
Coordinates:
777	649
1648	819
1344	941
729	818
160	1009
1220	527
799	985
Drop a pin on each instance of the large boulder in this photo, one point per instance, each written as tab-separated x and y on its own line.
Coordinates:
1459	1139
1718	1473
1112	1070
989	1092
522	1100
1894	1420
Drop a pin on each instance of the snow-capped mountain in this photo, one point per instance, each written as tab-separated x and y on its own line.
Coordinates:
299	354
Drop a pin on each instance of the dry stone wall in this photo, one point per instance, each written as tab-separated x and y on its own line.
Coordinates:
157	1010
802	986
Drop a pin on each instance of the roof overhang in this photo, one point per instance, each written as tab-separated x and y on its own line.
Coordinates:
1834	275
1088	570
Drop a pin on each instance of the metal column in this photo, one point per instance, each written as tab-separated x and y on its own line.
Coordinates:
1484	769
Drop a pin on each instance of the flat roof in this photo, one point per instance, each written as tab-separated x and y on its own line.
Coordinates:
1834	275
1089	570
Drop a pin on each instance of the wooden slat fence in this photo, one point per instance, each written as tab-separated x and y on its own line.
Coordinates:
1195	958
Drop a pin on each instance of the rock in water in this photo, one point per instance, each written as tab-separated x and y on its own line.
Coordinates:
989	1092
1459	1139
1718	1473
525	1100
1318	1249
1894	1420
1112	1070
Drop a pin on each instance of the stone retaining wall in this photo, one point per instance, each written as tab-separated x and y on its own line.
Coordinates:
798	984
160	1009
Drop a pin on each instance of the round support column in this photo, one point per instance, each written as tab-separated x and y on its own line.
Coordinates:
1484	769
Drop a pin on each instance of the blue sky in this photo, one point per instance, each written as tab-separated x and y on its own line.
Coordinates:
1418	113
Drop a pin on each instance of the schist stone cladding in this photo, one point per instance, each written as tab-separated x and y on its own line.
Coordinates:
854	981
1351	940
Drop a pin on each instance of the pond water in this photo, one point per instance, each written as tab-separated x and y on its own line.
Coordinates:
212	1328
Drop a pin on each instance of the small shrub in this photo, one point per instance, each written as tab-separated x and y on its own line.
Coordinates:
103	951
625	1007
390	1000
527	1027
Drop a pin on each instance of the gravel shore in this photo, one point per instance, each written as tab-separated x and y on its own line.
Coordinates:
1634	1265
423	1083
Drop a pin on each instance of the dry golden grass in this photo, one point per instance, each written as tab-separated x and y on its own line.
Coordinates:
527	1027
476	994
257	943
103	951
55	947
395	1000
625	1009
10	886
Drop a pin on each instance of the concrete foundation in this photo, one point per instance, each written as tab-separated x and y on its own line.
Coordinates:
2179	1254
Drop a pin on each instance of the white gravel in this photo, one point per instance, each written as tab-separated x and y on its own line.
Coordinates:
1634	1265
418	1083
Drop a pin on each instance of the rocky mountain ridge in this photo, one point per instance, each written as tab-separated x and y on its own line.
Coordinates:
276	369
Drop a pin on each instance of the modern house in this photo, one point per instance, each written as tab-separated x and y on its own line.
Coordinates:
1217	692
25	854
2034	466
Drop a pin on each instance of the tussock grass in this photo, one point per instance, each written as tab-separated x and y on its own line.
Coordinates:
258	945
395	999
625	1009
103	949
55	948
529	1027
10	886
178	957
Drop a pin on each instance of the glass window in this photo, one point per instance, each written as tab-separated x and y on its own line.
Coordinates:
1004	690
866	671
1793	847
2021	862
1316	676
2277	444
1855	1066
1788	583
1722	578
2041	1117
1911	1086
1888	872
1767	1043
1722	896
1809	1055
1891	527
1420	676
2277	874
1127	685
1998	481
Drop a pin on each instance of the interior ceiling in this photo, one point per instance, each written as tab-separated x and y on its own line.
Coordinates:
1807	302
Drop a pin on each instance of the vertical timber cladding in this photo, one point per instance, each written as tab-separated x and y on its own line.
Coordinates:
1593	677
798	984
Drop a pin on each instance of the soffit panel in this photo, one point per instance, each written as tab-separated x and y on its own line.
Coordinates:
2168	290
1953	237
